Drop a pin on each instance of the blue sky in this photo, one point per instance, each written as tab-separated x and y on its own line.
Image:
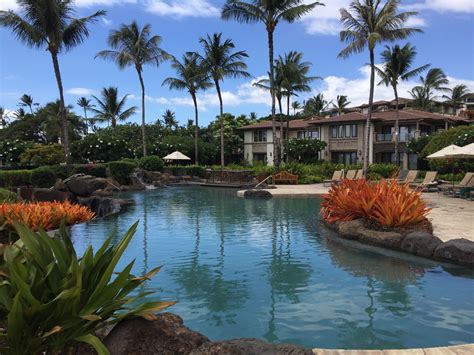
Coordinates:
447	42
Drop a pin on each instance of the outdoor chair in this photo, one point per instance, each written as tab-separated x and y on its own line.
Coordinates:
410	178
359	174
428	182
466	183
336	178
351	174
402	175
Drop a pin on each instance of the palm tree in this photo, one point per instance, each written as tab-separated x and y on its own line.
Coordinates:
424	94
221	62
133	46
366	24
270	13
191	76
20	113
86	105
397	67
295	105
456	99
341	104
27	101
316	105
420	97
169	119
110	108
50	24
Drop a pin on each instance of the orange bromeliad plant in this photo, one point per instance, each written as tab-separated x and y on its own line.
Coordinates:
386	202
43	215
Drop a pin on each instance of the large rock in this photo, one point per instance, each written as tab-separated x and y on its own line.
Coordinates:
420	243
389	240
458	251
165	336
249	347
257	194
350	229
84	185
103	206
42	194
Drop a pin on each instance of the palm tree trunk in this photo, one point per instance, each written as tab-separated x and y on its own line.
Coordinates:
280	107
369	114
62	107
142	84
276	161
287	142
196	130
397	120
221	120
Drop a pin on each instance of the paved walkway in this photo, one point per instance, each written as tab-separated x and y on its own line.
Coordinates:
449	350
451	217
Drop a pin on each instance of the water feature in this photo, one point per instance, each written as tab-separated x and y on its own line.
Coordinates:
266	269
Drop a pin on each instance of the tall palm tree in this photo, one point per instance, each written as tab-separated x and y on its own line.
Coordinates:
456	99
221	62
191	76
133	46
424	94
169	118
27	101
366	24
295	105
397	67
420	97
316	105
50	24
86	105
341	104
110	108
270	13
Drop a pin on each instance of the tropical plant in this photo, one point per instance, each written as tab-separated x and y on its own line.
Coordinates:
133	46
50	23
457	95
305	150
424	94
41	154
14	178
191	76
386	203
43	177
121	171
151	163
8	196
315	105
27	101
12	149
295	105
221	62
366	24
111	108
397	67
341	104
270	13
169	119
20	113
52	297
86	106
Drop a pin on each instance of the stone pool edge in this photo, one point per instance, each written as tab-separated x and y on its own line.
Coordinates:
448	350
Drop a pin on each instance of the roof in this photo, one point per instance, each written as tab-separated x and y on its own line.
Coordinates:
176	156
294	124
401	101
390	115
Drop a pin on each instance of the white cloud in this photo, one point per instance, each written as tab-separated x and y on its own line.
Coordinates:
90	3
8	5
80	91
462	6
182	8
106	22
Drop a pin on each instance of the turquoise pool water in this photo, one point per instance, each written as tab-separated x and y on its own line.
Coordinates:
266	269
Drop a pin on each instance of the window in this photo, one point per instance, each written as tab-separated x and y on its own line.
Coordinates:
348	131
334	132
340	132
353	130
346	158
307	135
344	131
260	136
259	158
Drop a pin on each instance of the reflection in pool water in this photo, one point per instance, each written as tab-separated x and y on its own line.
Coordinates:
266	269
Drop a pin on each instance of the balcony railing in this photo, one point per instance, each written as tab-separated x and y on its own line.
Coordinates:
388	137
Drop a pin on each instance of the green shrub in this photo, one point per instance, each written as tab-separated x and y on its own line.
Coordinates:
8	196
43	177
460	135
62	171
14	178
51	297
99	170
121	171
380	170
11	150
151	163
40	154
305	149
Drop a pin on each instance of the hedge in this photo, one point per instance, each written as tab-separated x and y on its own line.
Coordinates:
151	163
14	178
43	177
121	171
99	170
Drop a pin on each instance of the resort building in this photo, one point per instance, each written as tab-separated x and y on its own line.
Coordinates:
344	135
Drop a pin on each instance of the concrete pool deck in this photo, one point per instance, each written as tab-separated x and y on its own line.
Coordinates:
451	217
447	350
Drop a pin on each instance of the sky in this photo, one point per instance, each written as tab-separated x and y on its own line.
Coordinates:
447	43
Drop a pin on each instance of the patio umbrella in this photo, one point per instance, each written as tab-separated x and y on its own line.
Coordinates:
466	152
443	153
176	156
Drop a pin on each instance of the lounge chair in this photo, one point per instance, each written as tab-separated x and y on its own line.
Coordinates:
336	178
359	174
351	174
466	182
410	178
402	175
428	182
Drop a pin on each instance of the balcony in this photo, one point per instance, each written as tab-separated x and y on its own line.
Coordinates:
388	137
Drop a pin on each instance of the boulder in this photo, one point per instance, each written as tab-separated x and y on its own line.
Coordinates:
249	347
165	336
60	186
458	251
85	185
350	229
258	194
101	206
390	240
420	243
42	194
103	192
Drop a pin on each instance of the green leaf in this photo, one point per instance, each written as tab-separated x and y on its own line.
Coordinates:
94	342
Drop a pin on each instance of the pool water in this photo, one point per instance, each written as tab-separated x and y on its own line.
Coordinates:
267	269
